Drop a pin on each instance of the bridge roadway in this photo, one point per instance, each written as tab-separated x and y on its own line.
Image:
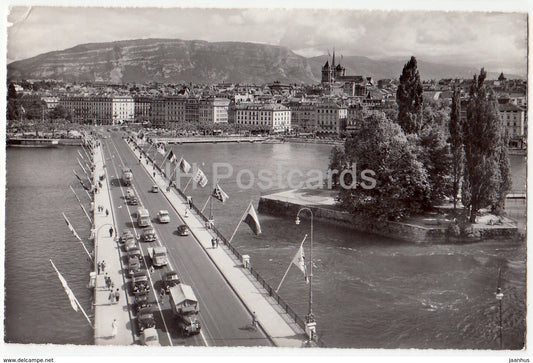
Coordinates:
224	319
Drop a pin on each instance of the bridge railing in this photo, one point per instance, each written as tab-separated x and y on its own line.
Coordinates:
269	289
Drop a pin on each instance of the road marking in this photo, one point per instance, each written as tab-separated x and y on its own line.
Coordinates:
134	228
171	258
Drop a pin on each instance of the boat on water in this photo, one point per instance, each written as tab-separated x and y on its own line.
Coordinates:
32	142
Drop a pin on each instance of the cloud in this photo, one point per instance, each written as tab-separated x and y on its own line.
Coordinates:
472	38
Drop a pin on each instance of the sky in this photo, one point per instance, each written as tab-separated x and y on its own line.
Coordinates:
494	40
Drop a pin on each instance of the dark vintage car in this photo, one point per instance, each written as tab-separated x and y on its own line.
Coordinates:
183	230
170	279
130	245
141	301
134	265
140	283
145	319
148	234
133	200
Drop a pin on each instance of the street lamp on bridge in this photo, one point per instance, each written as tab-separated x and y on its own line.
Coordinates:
310	323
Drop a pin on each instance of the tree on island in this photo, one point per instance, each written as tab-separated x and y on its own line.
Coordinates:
402	185
456	144
483	142
409	98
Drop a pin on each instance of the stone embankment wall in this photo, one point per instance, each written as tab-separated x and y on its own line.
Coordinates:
395	230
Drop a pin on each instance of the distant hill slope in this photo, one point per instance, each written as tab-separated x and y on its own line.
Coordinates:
174	60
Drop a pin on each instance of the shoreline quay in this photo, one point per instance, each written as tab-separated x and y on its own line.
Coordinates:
324	210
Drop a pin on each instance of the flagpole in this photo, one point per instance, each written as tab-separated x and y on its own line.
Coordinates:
205	204
211	201
240	221
290	265
77	236
76	300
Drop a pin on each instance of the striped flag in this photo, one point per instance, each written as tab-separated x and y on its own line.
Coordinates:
184	165
219	194
251	220
299	261
171	157
68	291
200	178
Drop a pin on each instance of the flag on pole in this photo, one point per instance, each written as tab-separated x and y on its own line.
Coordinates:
219	194
184	165
200	178
68	291
171	157
299	261
161	148
251	220
71	228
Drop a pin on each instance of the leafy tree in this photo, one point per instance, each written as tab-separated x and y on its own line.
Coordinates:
482	144
456	144
409	98
337	161
505	182
401	182
435	155
60	112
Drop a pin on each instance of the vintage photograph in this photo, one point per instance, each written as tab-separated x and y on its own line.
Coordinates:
306	178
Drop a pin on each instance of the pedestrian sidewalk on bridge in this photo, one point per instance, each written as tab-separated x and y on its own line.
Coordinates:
280	328
106	332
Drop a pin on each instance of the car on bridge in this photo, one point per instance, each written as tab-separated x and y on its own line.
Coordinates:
129	193
145	319
183	230
134	265
133	200
130	245
170	279
148	234
155	189
125	236
163	216
141	301
149	337
140	283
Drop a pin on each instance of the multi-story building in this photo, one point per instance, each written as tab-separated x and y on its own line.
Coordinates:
213	110
303	116
355	114
123	109
175	109
513	118
330	118
143	106
268	117
94	110
158	113
191	110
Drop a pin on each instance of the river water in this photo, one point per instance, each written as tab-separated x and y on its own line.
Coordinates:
368	291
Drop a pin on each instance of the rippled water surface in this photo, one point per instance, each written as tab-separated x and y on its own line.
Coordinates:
369	291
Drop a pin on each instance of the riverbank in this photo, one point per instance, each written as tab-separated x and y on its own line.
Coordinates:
429	228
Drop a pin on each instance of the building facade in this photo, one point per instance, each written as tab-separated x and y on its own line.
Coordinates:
330	118
268	117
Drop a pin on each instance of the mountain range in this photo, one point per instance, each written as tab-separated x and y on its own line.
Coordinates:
197	61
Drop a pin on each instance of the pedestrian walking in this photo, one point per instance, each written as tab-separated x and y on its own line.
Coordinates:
117	296
162	293
99	267
111	297
254	320
213	242
216	242
103	266
110	231
186	212
154	174
106	212
111	285
114	328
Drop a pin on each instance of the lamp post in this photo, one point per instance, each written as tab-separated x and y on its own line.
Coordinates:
499	297
310	319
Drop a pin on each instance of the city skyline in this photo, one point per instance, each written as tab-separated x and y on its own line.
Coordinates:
496	41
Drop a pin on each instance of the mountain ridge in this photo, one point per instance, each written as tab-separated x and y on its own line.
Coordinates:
199	61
